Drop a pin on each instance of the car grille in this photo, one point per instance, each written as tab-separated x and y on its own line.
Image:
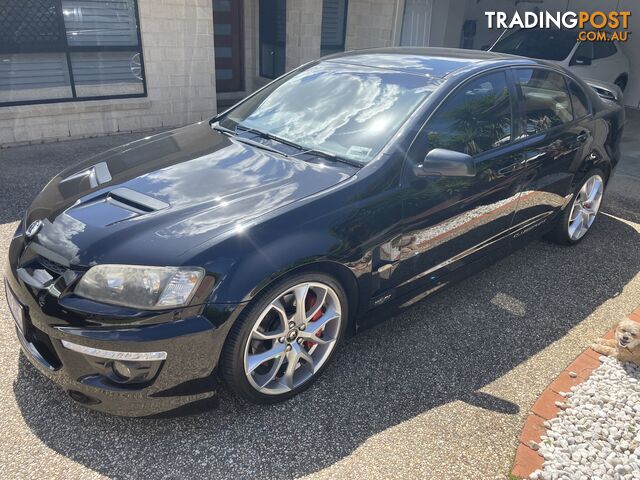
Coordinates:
52	267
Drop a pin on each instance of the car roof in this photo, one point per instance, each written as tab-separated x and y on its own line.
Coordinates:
426	61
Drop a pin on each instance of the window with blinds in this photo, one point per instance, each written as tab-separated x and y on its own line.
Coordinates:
334	26
67	50
273	32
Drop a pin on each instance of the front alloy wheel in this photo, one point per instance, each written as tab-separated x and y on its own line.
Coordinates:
286	339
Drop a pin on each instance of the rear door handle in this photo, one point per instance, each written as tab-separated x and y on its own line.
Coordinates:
582	137
519	162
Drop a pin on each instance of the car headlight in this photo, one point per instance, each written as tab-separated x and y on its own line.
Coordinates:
141	287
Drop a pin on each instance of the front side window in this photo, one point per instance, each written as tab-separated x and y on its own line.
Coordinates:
273	31
475	119
544	100
334	22
57	50
348	111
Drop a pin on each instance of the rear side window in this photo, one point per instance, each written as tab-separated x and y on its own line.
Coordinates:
476	118
603	49
544	100
585	50
579	100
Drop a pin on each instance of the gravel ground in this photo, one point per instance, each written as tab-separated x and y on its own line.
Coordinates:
440	390
598	435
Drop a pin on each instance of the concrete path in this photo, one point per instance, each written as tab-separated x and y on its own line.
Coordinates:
439	391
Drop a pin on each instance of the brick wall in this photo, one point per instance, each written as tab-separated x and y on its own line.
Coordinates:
177	41
304	27
373	23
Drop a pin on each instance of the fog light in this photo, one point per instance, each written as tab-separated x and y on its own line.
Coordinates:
122	370
133	372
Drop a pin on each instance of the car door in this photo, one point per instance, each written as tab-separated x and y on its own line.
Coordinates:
449	221
554	141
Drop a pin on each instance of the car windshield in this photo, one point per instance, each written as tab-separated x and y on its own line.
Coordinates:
343	110
544	44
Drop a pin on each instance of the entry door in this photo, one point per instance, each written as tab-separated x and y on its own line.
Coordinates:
452	221
552	144
227	38
416	23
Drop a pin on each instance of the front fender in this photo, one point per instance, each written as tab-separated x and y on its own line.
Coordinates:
259	267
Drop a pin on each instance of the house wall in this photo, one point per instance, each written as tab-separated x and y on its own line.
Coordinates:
177	42
373	23
304	27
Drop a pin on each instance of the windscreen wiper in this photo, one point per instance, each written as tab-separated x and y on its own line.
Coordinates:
303	150
329	156
247	141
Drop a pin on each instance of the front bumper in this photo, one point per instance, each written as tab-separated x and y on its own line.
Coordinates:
186	379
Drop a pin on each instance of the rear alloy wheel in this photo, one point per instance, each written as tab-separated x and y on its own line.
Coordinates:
286	339
585	207
578	218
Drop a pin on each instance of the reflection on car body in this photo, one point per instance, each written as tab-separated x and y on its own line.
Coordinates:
249	246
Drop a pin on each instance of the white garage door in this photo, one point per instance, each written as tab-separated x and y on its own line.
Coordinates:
416	23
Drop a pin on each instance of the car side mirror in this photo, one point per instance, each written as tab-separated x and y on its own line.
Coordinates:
446	163
581	60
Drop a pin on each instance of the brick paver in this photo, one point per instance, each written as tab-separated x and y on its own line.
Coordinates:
527	459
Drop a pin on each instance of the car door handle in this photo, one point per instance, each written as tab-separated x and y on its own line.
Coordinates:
583	137
508	169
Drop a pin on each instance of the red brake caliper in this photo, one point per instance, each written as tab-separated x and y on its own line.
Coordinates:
310	302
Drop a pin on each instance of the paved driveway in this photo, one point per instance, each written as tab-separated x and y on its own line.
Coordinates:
439	391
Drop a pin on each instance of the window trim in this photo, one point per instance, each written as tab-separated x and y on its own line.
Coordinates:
68	50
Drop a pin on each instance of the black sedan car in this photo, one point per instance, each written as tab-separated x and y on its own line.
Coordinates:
246	248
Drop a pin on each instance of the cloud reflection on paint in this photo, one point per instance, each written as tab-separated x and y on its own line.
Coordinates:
334	107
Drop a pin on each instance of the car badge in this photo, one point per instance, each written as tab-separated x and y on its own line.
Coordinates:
34	228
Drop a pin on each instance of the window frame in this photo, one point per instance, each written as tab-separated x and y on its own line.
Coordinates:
67	50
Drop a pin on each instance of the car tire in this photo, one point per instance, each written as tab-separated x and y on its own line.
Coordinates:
578	217
273	328
621	82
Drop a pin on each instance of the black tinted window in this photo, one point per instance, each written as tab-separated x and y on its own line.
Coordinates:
544	100
584	50
545	44
476	118
603	49
579	100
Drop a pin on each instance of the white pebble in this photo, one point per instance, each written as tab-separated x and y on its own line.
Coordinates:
597	434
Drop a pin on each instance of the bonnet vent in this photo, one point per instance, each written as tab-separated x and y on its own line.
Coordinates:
96	175
135	201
